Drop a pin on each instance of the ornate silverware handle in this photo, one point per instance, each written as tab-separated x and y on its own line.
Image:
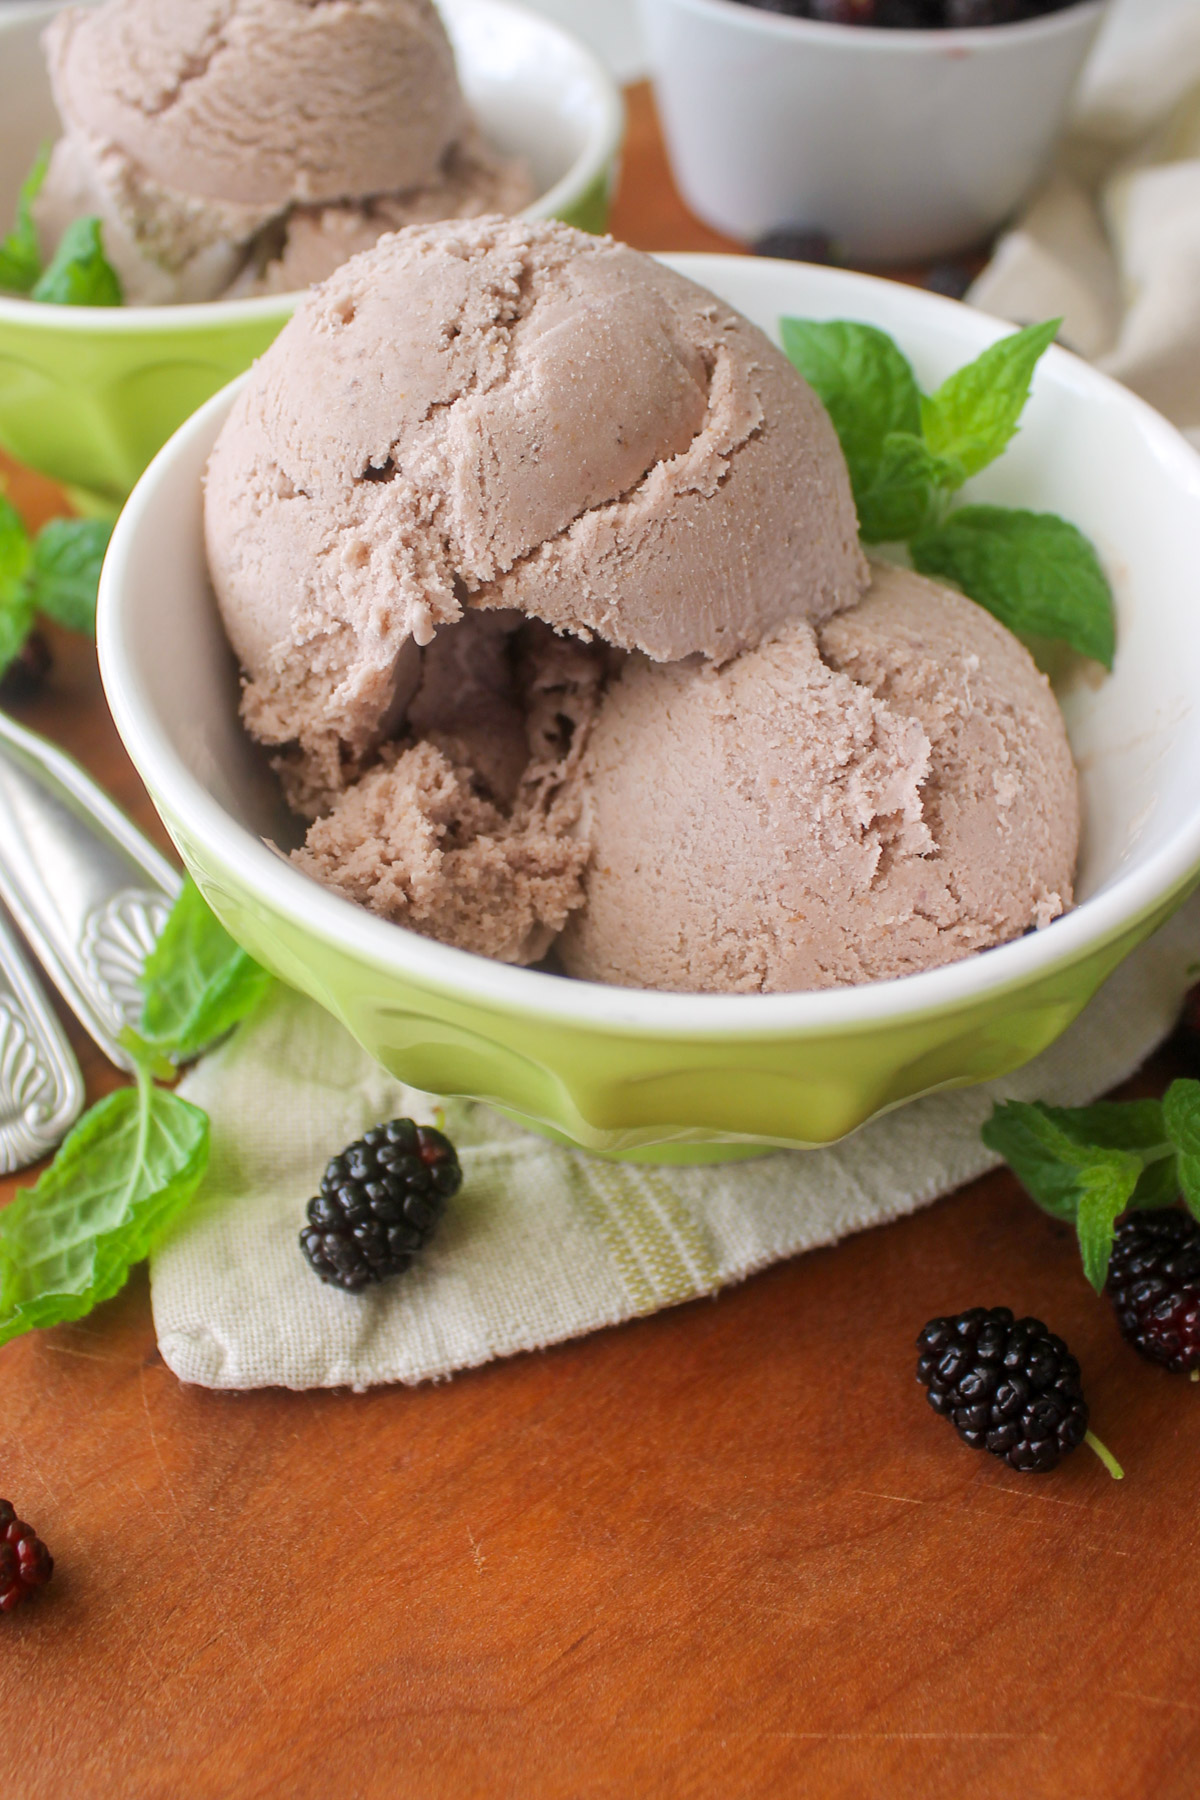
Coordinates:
41	1089
90	893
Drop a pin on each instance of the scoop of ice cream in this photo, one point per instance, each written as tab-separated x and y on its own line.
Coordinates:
468	835
508	414
189	129
262	102
887	793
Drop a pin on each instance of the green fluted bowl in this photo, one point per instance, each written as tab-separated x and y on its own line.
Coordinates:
688	1077
88	394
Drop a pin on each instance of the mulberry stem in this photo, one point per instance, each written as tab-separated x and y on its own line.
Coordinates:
1105	1454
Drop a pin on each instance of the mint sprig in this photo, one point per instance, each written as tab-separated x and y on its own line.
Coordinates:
55	573
78	274
65	571
133	1161
1089	1164
20	257
909	453
1181	1118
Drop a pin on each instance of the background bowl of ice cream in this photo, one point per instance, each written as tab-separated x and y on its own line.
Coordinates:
676	1075
88	394
898	144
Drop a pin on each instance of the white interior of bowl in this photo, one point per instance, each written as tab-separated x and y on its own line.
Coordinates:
537	92
1087	449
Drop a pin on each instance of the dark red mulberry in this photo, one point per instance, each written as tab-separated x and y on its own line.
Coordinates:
25	1562
1154	1284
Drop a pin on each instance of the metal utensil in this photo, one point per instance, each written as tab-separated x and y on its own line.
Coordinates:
89	892
41	1088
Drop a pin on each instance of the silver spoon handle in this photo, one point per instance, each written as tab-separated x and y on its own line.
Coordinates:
41	1089
88	891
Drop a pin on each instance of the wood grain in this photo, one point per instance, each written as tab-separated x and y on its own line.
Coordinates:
725	1551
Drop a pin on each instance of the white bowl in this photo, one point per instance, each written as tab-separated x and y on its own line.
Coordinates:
901	145
616	1069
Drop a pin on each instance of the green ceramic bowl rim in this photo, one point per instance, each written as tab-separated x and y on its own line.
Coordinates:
595	162
476	980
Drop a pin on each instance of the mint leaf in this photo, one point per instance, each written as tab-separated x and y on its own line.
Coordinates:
1112	1124
14	549
1106	1187
900	497
137	1158
16	620
1086	1165
1045	1155
16	606
65	570
1181	1115
864	380
1158	1185
973	415
78	273
1034	572
871	395
20	257
120	1177
198	983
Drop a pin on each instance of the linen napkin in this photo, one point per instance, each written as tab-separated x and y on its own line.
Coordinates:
543	1243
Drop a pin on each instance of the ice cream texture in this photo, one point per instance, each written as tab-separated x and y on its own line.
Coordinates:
257	141
508	415
889	792
469	833
542	568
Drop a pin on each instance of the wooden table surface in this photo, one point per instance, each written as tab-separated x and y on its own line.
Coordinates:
725	1551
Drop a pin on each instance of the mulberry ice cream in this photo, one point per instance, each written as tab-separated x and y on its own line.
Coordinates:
257	142
542	567
508	415
888	792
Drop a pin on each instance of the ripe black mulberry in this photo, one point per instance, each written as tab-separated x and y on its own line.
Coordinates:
1007	1385
380	1202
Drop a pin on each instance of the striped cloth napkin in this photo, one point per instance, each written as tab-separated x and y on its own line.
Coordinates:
543	1243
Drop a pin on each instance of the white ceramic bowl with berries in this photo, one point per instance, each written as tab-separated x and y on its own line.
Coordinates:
899	145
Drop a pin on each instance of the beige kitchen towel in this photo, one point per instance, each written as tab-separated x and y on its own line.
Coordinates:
542	1243
1112	242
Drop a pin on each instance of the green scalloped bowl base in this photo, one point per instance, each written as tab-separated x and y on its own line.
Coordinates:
676	1155
642	1097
